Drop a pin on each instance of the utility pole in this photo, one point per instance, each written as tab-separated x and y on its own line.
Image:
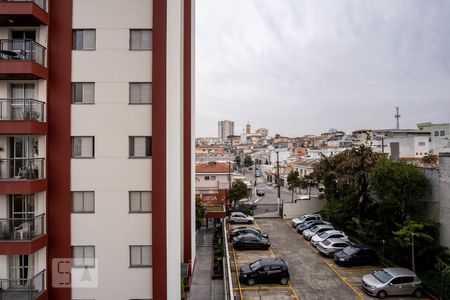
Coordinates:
278	178
255	171
397	116
412	253
229	184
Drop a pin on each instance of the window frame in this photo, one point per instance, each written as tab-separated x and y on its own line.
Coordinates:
140	202
84	257
140	29
73	93
136	83
83	203
131	138
74	30
141	265
93	147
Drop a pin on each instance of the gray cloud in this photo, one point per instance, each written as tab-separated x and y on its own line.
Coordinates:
298	67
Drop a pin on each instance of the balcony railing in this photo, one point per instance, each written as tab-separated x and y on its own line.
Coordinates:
22	109
41	3
26	50
21	168
21	229
23	289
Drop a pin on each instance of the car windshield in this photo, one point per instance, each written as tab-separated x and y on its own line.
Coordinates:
323	234
382	276
350	250
255	266
326	242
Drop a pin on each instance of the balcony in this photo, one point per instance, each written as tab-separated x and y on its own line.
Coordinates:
23	13
22	59
22	236
22	175
22	116
23	289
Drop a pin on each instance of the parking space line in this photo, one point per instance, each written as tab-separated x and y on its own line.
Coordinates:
360	294
289	282
237	275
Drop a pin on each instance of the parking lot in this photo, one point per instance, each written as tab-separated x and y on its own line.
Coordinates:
313	276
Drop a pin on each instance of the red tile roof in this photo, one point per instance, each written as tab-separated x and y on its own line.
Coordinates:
212	167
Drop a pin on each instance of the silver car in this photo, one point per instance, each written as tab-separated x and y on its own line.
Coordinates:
308	234
329	234
238	217
329	246
392	281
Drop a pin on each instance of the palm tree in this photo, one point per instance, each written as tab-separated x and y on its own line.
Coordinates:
293	180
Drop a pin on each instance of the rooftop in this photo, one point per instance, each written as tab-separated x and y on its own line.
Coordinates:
212	167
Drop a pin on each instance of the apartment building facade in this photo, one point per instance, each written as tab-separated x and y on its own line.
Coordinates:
96	148
225	129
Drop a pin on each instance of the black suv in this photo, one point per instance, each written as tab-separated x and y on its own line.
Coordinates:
250	241
356	255
265	270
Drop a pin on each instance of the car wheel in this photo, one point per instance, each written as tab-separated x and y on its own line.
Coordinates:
251	281
284	281
418	293
382	294
231	221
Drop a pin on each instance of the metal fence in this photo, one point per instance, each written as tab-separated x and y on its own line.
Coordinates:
22	168
22	289
14	229
227	280
22	109
17	49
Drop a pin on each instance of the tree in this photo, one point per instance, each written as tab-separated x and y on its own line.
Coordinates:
398	186
238	191
237	160
247	161
200	213
293	180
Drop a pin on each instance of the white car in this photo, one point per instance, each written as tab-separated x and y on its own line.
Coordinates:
328	235
305	218
238	217
329	246
308	234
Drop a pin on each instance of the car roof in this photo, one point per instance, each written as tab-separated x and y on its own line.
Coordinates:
399	272
334	231
271	261
237	212
337	240
362	246
248	235
320	226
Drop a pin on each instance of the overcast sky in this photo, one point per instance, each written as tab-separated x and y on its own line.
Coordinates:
298	67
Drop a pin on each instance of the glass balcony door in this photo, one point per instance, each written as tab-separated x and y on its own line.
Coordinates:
21	208
19	44
20	92
21	148
21	269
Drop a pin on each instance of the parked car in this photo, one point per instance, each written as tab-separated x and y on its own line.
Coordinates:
327	235
329	246
247	205
250	241
356	255
316	229
260	192
247	230
307	225
392	281
305	218
265	270
238	217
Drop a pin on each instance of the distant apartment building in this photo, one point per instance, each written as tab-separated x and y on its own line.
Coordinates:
395	143
262	132
440	136
226	128
96	156
248	128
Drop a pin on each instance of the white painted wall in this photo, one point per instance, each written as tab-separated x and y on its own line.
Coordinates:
301	207
111	174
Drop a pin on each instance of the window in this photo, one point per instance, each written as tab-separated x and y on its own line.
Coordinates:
140	202
213	177
83	256
206	177
83	92
141	93
436	133
140	39
83	146
442	132
83	202
140	146
84	39
422	144
140	256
